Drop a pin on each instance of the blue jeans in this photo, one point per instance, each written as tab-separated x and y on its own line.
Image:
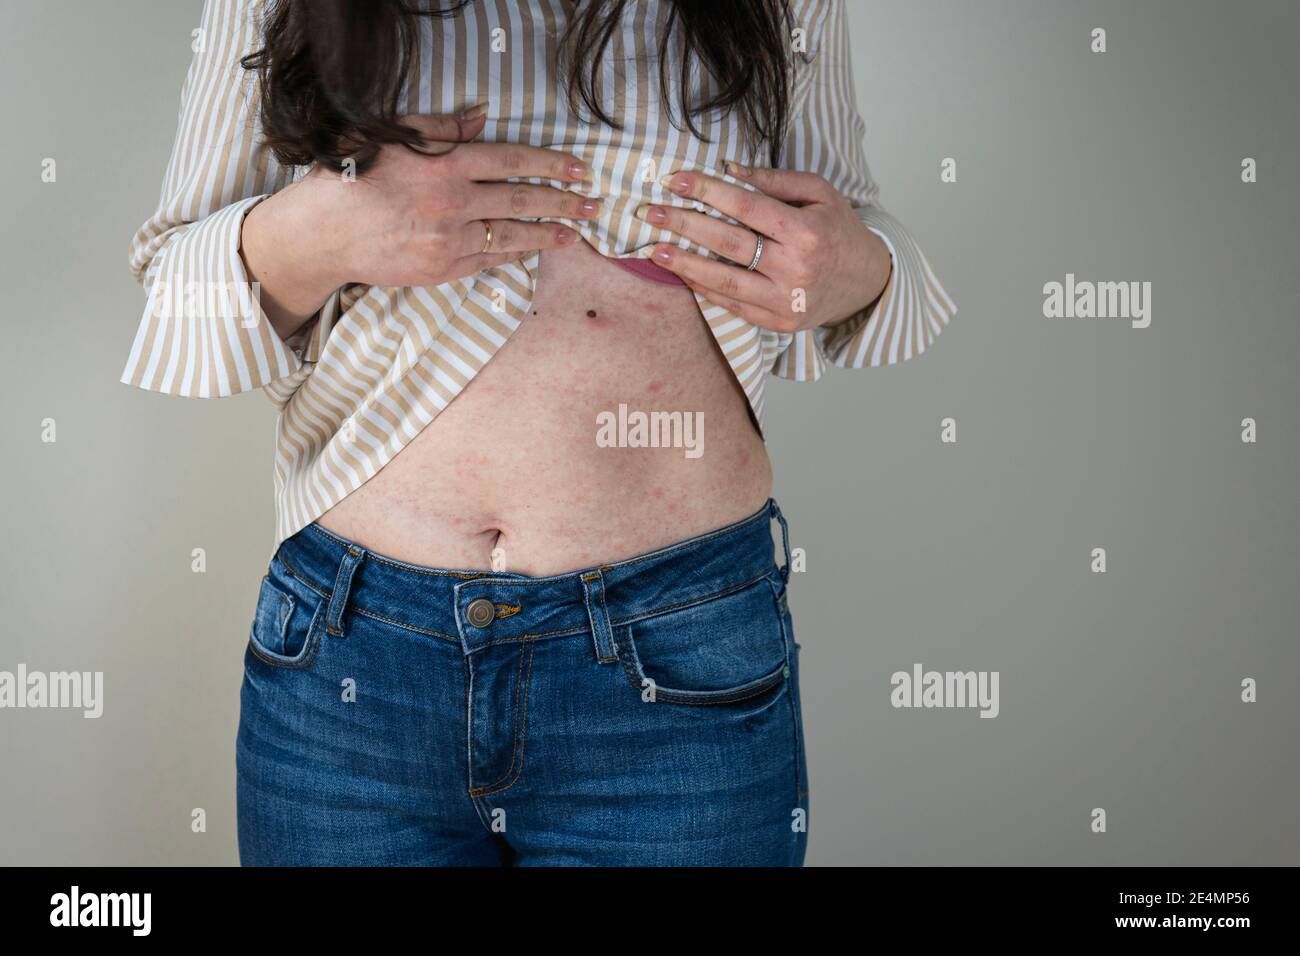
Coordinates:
641	713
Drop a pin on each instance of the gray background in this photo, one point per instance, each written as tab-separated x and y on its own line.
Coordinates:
1118	691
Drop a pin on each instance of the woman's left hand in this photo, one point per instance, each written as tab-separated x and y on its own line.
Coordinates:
817	255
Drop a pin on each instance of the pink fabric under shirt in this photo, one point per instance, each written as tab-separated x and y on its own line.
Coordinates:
647	269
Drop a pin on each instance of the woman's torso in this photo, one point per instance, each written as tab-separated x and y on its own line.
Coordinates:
512	464
511	474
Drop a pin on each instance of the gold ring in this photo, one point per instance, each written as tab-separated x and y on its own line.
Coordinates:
487	243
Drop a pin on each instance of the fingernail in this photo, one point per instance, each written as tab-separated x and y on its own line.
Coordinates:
739	171
577	170
565	236
590	207
656	215
474	112
677	183
663	255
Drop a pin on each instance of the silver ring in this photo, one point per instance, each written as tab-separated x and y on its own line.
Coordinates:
758	253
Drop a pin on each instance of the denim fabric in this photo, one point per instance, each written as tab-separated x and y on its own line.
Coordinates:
642	713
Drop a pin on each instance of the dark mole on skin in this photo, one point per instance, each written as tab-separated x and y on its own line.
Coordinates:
591	313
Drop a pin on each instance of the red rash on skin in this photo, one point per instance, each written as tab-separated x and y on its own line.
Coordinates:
513	463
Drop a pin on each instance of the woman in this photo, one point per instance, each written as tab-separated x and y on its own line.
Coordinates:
528	609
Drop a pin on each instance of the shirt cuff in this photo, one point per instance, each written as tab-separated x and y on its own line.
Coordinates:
203	333
902	323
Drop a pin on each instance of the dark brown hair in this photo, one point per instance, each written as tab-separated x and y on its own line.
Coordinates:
331	72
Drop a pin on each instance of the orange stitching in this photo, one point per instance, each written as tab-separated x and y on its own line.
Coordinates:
738	526
580	629
778	678
623	660
654	612
528	636
691	602
598	617
523	738
771	681
405	626
336	629
469	729
796	716
605	624
313	634
397	564
288	567
514	731
520	733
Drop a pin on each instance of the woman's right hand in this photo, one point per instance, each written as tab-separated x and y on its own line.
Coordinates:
418	218
412	219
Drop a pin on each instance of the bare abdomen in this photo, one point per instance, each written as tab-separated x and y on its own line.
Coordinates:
514	466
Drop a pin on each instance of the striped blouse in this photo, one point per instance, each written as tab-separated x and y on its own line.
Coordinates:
376	365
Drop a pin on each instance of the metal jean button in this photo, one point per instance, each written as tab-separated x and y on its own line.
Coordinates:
480	612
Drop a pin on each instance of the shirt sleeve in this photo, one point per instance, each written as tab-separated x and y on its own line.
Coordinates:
826	137
203	333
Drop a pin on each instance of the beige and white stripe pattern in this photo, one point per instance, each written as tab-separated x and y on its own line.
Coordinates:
378	364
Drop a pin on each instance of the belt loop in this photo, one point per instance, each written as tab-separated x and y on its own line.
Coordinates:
785	540
602	632
342	588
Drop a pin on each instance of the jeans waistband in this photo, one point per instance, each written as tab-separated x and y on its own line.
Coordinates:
456	604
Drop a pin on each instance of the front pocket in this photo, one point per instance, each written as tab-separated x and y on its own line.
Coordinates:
285	631
723	651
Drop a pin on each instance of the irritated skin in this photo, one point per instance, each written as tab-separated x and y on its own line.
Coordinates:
513	465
